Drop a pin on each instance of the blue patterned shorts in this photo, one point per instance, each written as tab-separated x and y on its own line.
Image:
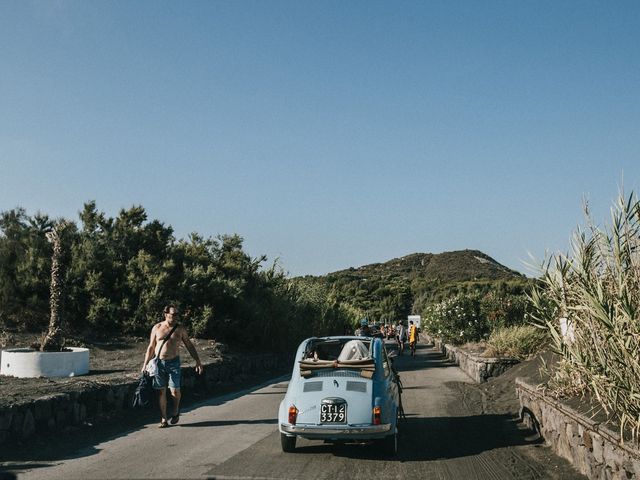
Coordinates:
168	370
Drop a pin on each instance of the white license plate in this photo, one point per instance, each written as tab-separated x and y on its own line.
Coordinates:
332	413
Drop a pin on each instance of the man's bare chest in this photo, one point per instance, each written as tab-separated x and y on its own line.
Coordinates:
171	342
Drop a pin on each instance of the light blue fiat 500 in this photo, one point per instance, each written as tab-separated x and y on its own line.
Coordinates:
342	389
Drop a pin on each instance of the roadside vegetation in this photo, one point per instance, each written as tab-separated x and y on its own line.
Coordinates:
119	273
596	289
516	341
476	316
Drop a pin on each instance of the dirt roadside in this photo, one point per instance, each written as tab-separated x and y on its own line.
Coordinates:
109	363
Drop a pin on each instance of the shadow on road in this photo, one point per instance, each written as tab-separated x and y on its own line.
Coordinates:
423	359
221	423
438	438
453	437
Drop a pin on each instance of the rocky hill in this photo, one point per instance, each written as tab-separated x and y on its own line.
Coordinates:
457	266
398	287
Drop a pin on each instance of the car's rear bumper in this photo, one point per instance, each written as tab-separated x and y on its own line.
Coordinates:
337	431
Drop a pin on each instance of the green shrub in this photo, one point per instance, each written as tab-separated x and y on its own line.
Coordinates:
456	320
517	341
503	310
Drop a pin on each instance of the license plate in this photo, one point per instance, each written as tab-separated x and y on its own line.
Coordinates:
333	413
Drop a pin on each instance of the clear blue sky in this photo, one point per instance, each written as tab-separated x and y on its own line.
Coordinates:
326	133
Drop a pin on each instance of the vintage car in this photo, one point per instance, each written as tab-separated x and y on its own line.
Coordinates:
342	389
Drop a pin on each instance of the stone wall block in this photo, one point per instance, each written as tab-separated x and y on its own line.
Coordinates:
28	424
214	374
188	381
109	397
613	455
62	418
627	469
5	419
16	423
62	401
246	367
596	472
42	409
594	449
480	369
598	448
119	396
586	439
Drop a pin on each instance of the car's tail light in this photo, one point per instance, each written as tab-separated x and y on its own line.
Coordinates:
293	414
377	415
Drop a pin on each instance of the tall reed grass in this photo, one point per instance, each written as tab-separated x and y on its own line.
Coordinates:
516	341
596	287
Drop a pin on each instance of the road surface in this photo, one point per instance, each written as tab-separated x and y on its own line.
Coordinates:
444	436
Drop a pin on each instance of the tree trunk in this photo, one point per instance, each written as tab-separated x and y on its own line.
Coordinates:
53	339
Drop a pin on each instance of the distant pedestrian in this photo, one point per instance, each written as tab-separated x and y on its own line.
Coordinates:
413	337
164	343
401	336
364	330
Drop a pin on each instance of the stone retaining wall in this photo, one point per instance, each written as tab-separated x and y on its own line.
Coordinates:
55	412
480	369
591	447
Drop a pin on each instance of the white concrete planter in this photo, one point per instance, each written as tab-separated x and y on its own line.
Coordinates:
28	363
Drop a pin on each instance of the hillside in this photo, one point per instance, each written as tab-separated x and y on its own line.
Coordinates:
391	290
457	266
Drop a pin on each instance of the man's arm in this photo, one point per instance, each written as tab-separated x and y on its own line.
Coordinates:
192	350
151	349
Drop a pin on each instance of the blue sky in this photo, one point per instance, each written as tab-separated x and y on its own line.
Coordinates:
328	134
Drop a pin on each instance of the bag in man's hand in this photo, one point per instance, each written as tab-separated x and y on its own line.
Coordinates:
152	367
143	396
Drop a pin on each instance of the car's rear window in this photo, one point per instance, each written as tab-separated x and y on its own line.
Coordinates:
338	354
338	349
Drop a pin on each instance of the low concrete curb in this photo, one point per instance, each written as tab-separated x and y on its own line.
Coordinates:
55	412
480	369
592	448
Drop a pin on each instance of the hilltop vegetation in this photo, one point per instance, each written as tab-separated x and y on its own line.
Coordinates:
392	290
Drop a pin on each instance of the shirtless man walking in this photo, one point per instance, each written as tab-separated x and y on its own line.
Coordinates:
169	362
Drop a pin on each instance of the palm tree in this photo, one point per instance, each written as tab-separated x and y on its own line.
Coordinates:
53	338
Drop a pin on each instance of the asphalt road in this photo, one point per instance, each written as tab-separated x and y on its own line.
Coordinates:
236	436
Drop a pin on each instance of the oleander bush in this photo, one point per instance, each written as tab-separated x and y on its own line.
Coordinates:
595	289
473	317
456	320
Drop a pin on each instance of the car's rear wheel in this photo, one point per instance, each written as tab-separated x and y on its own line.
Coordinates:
288	443
389	445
